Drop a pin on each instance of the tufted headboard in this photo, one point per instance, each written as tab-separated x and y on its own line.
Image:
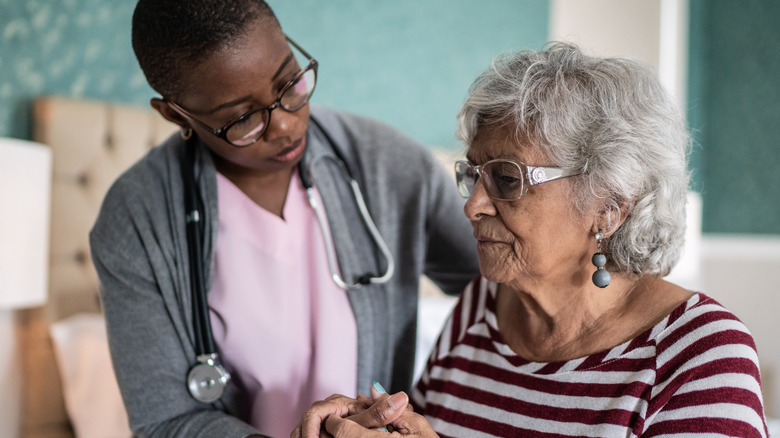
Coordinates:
92	143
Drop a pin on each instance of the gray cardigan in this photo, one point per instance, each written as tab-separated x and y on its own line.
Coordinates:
139	248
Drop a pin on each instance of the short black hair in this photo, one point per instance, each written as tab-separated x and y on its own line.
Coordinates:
172	35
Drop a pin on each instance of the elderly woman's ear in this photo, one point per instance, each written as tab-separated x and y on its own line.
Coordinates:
611	216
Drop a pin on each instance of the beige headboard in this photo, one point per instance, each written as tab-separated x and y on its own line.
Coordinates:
92	143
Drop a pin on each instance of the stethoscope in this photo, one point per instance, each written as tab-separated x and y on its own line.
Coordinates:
207	378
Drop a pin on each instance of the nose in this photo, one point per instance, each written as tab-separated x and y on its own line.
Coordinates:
479	203
282	123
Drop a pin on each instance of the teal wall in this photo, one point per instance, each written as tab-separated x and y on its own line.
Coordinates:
68	47
734	113
407	62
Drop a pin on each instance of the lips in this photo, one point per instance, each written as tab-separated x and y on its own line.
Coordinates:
486	239
292	152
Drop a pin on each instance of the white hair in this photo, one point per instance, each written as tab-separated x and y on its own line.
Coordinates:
608	118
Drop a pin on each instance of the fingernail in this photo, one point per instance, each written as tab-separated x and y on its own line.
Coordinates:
379	388
397	400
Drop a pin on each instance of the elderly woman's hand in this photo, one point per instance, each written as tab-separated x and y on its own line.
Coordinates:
362	411
409	424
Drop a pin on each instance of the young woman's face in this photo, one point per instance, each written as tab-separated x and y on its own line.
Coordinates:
243	76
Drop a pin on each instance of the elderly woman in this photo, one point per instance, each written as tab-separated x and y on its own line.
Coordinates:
576	182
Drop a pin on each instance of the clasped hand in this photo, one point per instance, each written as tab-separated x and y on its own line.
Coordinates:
340	416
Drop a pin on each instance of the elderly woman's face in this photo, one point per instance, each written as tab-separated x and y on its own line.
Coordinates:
536	240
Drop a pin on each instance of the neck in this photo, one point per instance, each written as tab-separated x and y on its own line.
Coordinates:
567	323
266	189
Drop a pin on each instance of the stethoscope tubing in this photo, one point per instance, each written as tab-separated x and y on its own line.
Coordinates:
330	248
204	343
308	183
380	242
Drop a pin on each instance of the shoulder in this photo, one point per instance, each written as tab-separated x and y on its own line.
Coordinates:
369	137
359	126
393	168
141	189
702	318
702	339
707	367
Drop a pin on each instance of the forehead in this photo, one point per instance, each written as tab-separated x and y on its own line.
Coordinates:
502	141
250	63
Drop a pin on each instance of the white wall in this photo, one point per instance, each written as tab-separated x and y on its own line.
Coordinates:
609	27
743	273
654	31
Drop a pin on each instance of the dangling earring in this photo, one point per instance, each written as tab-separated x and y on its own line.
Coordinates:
601	277
185	133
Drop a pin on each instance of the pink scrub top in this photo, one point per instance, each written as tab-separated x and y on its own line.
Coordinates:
282	327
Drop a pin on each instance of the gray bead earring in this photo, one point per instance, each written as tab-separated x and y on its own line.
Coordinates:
601	277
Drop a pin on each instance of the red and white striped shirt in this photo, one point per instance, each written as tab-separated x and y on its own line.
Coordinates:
693	374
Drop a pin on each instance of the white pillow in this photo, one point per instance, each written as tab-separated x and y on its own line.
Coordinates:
432	313
91	393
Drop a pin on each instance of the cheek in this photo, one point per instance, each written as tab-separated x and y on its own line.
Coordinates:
539	240
224	151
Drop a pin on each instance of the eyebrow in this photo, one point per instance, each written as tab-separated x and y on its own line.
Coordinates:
282	66
243	99
470	157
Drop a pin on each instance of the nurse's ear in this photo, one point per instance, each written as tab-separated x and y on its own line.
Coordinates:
169	113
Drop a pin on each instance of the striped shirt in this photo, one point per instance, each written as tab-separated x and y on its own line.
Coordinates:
693	374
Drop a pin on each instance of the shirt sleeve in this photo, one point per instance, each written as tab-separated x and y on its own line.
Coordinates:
708	379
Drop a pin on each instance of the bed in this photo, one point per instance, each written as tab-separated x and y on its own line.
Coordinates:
68	385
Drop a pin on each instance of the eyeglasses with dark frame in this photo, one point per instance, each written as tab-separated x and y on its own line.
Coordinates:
505	180
250	127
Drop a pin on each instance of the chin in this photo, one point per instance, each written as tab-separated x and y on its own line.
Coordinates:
493	272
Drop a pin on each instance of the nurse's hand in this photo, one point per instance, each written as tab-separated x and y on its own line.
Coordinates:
313	418
376	412
409	424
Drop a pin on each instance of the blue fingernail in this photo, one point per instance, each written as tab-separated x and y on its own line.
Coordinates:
379	388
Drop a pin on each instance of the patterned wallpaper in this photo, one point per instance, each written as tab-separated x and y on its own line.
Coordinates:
68	47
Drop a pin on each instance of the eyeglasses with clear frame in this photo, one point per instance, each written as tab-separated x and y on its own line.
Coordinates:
250	127
504	180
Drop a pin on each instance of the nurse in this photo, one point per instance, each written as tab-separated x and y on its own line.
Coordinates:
290	324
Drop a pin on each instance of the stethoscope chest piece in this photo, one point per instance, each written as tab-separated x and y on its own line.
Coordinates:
207	379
